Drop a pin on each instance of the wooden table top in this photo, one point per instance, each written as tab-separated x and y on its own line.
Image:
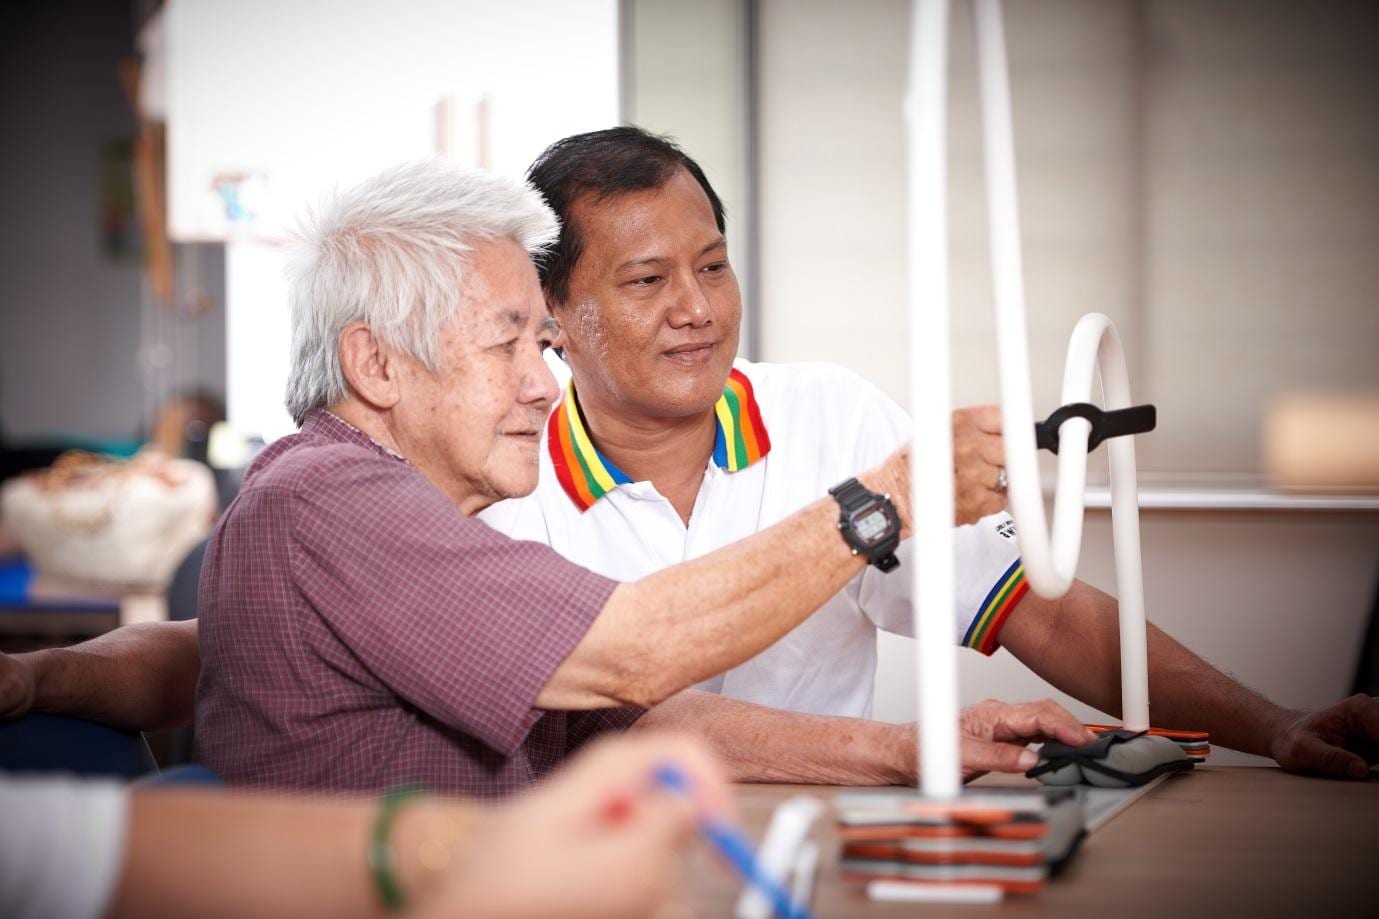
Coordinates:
1218	840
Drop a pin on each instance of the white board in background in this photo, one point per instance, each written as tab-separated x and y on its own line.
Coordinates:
307	94
303	96
257	336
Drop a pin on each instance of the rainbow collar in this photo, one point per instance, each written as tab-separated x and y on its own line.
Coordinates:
587	475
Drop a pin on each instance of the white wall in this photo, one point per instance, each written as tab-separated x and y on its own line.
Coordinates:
1262	217
832	207
686	76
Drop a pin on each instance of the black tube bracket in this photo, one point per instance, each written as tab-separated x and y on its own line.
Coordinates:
1137	419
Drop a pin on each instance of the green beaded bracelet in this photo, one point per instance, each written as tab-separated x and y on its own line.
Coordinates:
380	848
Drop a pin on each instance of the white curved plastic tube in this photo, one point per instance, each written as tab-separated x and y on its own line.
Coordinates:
1051	562
931	456
779	853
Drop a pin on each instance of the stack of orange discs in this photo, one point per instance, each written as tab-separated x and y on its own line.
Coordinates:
1006	838
1195	744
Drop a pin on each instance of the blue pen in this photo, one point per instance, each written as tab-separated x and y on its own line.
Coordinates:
734	846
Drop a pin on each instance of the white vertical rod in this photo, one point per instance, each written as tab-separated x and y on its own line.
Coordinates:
1125	532
931	471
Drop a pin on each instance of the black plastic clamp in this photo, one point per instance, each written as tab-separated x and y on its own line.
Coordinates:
1137	419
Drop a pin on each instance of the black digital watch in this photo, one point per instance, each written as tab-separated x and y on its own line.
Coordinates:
869	523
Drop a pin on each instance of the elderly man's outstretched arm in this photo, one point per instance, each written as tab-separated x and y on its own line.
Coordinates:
683	624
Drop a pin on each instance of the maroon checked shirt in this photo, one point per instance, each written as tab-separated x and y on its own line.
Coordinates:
359	632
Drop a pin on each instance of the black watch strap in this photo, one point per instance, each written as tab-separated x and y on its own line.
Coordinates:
853	497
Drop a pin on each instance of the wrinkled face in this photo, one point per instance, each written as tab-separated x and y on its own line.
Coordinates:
474	425
651	324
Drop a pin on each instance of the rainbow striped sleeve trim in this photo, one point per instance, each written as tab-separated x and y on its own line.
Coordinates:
586	474
1010	587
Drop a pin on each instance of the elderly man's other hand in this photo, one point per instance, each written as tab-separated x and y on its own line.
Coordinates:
995	734
978	456
1341	741
598	839
893	478
16	687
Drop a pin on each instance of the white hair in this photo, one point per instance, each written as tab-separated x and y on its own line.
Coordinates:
389	252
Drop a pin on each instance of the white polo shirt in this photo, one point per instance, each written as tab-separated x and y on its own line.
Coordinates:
786	434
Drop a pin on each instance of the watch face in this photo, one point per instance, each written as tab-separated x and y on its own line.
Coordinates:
871	524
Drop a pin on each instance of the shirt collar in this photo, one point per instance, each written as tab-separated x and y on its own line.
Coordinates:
323	422
586	475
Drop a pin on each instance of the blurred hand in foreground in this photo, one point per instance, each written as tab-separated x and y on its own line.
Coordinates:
597	839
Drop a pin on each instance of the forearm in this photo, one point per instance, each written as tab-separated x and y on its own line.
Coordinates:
701	618
202	854
671	629
1187	692
761	744
1074	643
226	855
141	677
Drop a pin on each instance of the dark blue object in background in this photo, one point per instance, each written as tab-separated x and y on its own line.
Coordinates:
56	743
15	577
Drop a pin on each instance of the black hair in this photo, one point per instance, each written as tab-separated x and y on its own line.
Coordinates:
603	164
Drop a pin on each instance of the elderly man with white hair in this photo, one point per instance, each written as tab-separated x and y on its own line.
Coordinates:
359	630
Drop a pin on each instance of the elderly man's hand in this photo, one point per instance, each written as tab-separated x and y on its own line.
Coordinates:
978	455
1341	741
995	734
893	478
16	687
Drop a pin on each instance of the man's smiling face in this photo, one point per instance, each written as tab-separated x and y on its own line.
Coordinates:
651	323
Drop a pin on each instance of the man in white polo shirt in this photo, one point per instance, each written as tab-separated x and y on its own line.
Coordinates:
781	432
665	448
